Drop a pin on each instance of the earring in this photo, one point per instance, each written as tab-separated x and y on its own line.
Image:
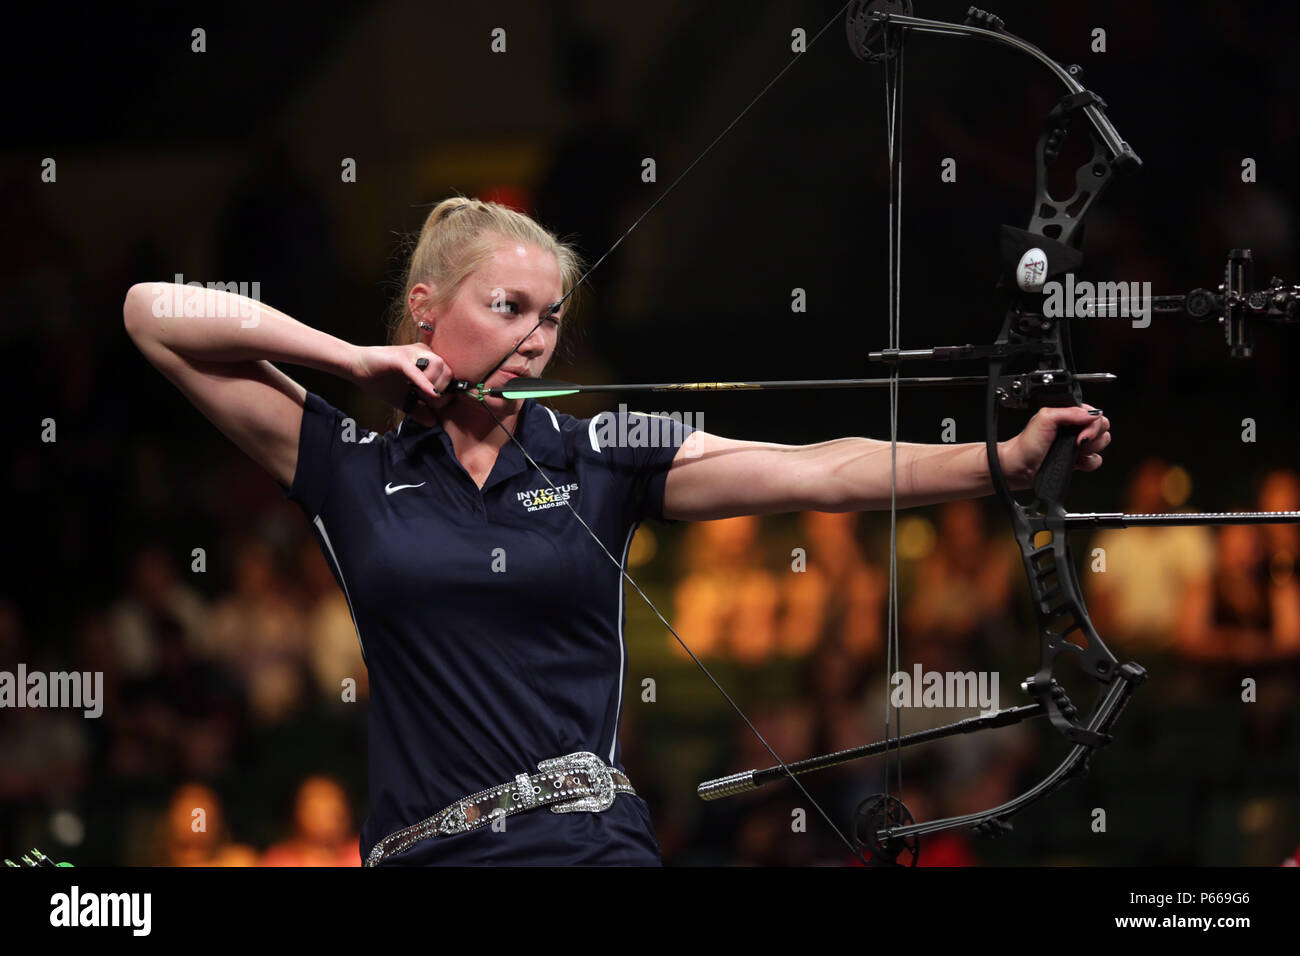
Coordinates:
426	327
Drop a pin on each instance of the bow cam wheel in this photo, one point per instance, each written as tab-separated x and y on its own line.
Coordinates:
883	812
869	39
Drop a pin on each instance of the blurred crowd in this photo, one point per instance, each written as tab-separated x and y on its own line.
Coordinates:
215	712
1203	609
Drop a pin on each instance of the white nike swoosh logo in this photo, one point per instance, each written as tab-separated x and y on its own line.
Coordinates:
390	487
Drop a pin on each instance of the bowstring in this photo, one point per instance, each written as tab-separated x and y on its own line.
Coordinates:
893	653
552	309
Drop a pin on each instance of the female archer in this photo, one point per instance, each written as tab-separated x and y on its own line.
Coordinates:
490	621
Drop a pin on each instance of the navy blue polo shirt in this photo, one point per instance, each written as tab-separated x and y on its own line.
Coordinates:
490	622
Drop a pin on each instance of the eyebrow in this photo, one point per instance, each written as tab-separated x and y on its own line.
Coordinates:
524	295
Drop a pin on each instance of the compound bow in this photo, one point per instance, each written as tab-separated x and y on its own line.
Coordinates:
1030	366
1038	344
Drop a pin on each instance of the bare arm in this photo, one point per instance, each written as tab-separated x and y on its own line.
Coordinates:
730	478
221	361
715	477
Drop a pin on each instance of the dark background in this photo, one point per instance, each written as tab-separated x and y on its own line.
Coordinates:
225	165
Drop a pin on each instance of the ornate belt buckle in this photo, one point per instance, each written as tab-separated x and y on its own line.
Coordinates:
455	821
596	772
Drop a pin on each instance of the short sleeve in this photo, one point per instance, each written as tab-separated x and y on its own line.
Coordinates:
642	447
318	454
656	478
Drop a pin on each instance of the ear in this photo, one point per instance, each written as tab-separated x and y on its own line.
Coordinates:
419	303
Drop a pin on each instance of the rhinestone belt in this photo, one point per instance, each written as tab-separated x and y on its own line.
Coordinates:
577	781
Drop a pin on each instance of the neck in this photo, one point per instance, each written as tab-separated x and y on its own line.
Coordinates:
471	426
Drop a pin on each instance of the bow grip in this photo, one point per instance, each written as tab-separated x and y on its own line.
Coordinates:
1054	474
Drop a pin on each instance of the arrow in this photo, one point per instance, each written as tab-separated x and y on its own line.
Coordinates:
552	388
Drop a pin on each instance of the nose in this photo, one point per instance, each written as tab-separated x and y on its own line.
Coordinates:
534	343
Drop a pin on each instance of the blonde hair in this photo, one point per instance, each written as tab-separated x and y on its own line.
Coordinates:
457	238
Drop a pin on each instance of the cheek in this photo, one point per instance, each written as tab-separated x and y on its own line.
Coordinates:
553	340
459	340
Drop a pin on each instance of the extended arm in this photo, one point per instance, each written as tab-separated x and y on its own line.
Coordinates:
715	477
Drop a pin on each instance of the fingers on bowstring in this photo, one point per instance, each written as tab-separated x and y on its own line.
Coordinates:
425	388
435	394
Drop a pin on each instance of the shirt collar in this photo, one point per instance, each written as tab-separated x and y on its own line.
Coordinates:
536	428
